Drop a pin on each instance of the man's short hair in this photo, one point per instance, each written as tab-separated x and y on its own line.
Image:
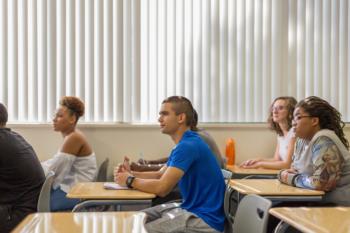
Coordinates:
180	105
3	114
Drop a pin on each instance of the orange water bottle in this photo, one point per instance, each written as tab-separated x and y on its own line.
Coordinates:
230	151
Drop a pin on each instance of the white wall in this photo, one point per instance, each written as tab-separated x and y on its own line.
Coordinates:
115	141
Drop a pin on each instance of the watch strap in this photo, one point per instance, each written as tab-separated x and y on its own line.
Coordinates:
129	181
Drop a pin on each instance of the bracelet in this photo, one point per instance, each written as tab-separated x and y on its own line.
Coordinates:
279	176
294	178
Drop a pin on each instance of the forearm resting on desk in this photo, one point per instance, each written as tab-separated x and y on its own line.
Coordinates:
326	168
322	179
162	186
147	175
274	164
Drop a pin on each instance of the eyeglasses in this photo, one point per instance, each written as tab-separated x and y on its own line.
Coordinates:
297	118
278	108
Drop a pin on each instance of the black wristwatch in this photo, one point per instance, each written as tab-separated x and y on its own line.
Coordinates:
129	181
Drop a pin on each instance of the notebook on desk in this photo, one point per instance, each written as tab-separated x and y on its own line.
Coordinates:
114	186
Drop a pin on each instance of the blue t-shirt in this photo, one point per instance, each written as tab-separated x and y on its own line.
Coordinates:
202	185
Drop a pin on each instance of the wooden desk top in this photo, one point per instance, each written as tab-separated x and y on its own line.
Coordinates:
270	187
96	191
124	222
315	219
260	171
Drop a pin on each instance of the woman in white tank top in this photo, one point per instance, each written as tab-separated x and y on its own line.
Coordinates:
280	120
75	161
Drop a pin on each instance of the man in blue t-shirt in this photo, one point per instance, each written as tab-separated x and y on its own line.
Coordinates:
192	165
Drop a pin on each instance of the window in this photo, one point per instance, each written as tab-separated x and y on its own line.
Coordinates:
122	57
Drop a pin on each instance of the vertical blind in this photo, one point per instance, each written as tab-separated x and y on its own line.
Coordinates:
123	57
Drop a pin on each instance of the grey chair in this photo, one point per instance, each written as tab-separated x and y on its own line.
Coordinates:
226	174
252	215
45	193
101	175
228	204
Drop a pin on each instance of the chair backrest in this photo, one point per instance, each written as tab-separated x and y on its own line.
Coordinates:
45	193
252	214
226	174
101	175
227	204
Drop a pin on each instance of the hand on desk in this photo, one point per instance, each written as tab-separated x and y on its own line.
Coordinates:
251	163
120	177
287	176
121	174
122	171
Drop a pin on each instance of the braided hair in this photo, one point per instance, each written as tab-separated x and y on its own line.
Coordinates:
329	117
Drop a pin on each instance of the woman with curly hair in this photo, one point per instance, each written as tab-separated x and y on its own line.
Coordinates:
75	161
321	159
280	120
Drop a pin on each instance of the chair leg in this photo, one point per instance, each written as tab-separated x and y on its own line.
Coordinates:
281	227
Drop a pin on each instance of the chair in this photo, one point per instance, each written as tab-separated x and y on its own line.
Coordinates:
226	174
45	193
252	215
101	175
229	210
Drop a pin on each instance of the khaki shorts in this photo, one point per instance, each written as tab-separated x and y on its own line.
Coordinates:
171	218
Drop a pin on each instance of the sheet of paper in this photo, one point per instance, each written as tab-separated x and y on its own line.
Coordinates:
115	186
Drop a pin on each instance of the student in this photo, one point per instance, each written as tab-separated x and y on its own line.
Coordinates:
155	165
21	176
192	165
321	158
75	161
280	120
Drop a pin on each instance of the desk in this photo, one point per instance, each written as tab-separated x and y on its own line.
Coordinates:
239	172
275	190
124	222
271	189
101	196
96	191
315	219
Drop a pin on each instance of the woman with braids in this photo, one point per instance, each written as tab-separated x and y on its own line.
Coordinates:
321	158
75	161
280	120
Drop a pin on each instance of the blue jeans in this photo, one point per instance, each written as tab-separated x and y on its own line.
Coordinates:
59	202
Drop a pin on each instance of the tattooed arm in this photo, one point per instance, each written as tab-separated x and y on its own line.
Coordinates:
327	164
